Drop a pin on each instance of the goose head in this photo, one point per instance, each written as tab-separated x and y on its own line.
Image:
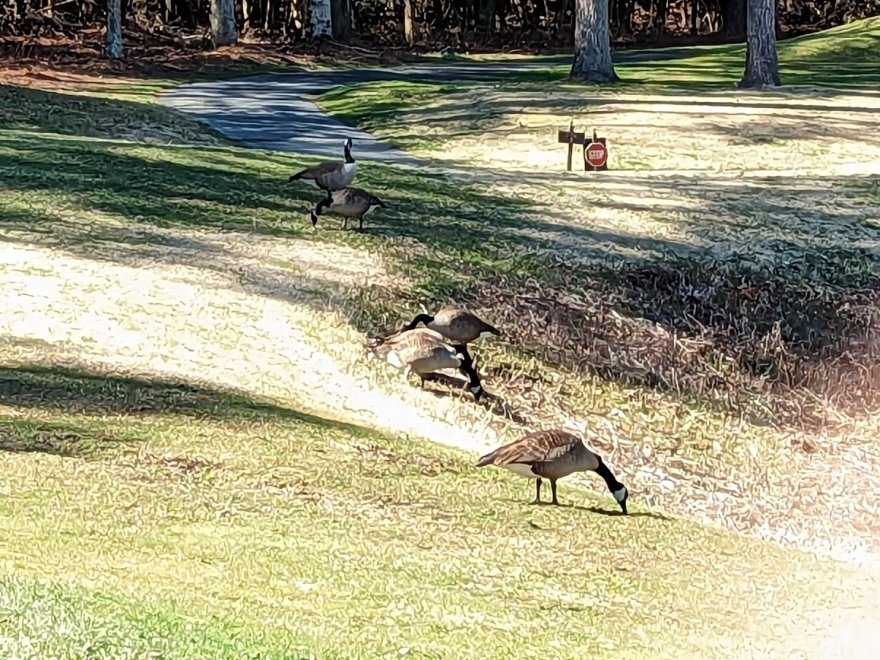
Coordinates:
621	495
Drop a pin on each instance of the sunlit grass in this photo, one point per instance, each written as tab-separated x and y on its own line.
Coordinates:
217	526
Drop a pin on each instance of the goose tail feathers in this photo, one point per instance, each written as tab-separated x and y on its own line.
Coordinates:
374	341
486	459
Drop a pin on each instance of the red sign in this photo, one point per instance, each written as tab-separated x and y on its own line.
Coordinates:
596	154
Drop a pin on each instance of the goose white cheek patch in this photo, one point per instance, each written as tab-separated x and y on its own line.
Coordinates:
619	494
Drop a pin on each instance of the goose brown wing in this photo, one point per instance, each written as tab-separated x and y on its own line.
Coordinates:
353	200
463	323
412	344
321	169
536	447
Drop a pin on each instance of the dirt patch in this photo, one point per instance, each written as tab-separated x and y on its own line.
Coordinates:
185	465
38	75
55	441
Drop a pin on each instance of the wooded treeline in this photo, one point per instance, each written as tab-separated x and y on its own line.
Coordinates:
456	23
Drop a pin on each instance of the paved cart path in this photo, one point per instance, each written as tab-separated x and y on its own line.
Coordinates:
275	110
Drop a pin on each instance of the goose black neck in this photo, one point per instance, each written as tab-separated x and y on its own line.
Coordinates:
471	373
421	318
610	480
348	157
324	203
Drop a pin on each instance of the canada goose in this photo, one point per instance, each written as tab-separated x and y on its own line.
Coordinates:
349	203
330	175
553	454
423	351
457	325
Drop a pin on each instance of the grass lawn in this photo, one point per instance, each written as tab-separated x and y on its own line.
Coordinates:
717	288
200	463
142	517
843	58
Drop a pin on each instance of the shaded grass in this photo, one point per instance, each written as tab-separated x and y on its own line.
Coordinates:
67	391
256	531
90	116
761	344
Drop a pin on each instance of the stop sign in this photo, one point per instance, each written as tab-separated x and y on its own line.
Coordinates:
596	154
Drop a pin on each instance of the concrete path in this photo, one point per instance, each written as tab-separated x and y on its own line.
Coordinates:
274	111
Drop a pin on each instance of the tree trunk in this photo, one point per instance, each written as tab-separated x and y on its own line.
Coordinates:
223	28
321	19
113	48
487	15
592	43
735	18
340	19
762	63
408	27
661	15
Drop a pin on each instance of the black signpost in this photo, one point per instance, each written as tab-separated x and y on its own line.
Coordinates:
595	148
571	138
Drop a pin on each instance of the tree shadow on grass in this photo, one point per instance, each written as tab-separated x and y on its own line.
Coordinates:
488	249
72	391
150	190
670	338
147	187
24	109
489	401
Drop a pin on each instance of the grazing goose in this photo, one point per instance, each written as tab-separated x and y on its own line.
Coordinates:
423	351
349	203
330	175
457	325
553	454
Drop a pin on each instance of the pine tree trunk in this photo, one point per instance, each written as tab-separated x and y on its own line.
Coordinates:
661	14
487	15
223	29
321	19
340	19
113	48
735	18
592	43
408	27
762	63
